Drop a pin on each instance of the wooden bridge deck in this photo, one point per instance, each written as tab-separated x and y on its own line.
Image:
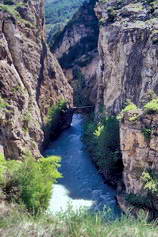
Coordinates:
83	107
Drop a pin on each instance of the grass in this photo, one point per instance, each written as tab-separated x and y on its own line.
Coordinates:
71	224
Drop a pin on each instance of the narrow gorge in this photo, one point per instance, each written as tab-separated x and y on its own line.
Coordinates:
79	112
29	72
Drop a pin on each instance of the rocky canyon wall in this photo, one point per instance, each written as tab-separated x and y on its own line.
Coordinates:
139	146
76	50
31	79
128	70
128	51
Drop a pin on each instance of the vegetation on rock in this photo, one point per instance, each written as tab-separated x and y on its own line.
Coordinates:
151	181
103	143
56	119
147	133
129	107
54	113
151	106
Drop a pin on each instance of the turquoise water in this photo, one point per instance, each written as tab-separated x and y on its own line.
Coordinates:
81	185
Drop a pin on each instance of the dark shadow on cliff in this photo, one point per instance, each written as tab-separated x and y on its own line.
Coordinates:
41	73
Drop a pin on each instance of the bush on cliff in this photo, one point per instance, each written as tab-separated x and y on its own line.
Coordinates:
151	106
102	141
150	181
54	114
129	107
30	182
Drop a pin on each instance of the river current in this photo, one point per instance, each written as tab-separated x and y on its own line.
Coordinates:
81	186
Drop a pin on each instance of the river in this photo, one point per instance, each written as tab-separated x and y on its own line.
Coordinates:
81	185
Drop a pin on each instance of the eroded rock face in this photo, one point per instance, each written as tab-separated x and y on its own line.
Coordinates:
76	49
31	79
128	49
139	139
128	59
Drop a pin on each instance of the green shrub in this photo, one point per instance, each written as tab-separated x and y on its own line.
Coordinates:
35	179
150	180
32	181
152	106
54	113
102	141
147	133
11	170
130	106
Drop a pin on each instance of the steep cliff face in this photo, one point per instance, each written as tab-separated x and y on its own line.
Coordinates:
139	139
76	49
128	49
127	70
31	79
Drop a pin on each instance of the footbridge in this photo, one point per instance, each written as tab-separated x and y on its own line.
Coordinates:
66	115
81	109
